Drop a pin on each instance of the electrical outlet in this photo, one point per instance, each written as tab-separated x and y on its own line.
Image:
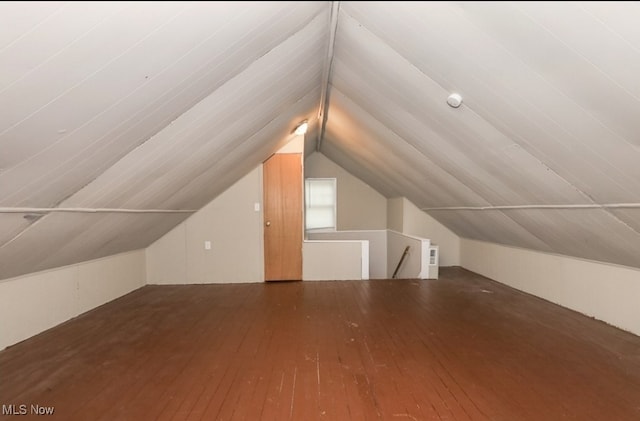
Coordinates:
207	245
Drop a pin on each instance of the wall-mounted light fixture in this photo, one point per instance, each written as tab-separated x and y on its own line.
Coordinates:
302	128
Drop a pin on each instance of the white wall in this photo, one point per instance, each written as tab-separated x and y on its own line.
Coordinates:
394	213
421	224
607	292
405	217
32	303
360	207
377	247
334	260
412	266
235	231
295	144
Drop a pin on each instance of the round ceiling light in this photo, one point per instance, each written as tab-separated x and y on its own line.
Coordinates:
454	100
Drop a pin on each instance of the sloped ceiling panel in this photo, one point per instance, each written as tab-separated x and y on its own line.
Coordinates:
164	105
110	87
590	233
411	105
273	87
60	239
394	158
549	116
488	58
144	106
394	167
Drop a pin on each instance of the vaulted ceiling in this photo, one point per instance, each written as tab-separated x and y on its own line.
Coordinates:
155	108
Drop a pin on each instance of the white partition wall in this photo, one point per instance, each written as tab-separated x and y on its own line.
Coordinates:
607	292
33	303
231	227
405	217
333	260
377	247
385	249
415	265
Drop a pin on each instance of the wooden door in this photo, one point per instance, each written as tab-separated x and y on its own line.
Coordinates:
283	217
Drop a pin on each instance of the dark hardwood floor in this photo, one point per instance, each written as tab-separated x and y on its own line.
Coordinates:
459	348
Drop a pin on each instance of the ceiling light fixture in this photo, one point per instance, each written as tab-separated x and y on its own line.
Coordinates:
454	100
302	128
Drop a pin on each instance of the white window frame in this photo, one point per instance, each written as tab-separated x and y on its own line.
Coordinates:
335	204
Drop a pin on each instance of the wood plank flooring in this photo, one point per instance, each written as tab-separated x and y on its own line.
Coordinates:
459	348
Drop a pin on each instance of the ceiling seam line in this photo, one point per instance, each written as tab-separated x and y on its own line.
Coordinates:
514	207
5	210
326	73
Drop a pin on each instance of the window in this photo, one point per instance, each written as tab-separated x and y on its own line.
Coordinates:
320	203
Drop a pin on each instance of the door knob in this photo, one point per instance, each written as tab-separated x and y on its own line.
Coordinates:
268	223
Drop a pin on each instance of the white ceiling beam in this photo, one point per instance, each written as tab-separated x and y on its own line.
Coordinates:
93	210
512	207
326	73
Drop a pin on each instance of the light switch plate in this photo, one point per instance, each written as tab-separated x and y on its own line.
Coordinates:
256	207
207	245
